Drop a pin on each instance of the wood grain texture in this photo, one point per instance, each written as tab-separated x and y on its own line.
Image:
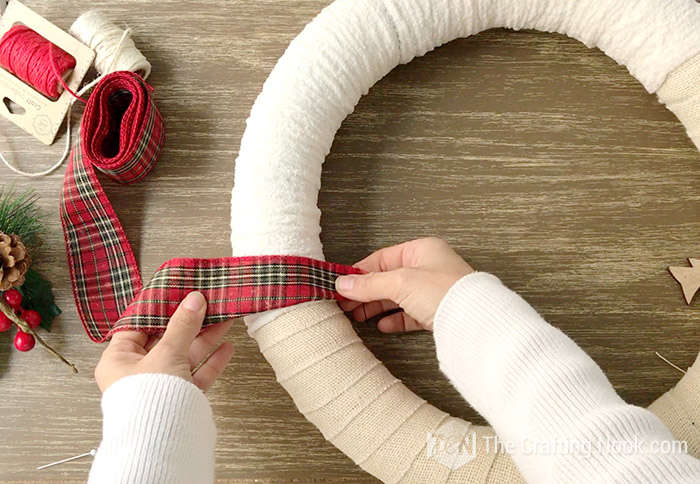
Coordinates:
541	161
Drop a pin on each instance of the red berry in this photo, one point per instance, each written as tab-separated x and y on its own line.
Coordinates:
5	323
24	341
14	298
32	318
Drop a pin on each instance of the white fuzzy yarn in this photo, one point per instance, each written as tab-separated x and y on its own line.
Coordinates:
352	44
113	52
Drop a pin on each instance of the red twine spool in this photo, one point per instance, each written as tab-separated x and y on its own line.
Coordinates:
35	60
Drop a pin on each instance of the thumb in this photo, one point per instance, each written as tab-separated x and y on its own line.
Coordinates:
373	286
186	323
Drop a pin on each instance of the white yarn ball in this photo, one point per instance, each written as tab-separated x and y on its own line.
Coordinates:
114	51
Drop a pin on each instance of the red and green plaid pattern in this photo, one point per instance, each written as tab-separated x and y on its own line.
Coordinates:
233	287
122	134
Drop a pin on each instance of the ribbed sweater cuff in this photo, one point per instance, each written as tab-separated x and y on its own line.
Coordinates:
157	428
534	384
485	330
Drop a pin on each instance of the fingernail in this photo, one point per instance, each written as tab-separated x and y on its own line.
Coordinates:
194	301
345	283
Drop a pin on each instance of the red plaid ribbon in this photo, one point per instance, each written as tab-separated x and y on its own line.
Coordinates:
122	134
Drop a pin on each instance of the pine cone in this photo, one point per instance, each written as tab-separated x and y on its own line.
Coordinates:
14	261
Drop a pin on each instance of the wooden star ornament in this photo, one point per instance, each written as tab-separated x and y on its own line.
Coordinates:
688	277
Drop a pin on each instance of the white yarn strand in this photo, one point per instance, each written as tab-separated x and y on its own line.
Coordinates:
54	167
113	50
120	55
669	362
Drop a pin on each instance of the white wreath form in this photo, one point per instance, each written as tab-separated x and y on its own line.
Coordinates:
334	380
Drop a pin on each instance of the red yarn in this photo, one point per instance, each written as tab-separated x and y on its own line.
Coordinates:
35	60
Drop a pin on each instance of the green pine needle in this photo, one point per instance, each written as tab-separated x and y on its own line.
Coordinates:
20	215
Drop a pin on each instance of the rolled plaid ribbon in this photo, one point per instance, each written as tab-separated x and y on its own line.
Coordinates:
121	135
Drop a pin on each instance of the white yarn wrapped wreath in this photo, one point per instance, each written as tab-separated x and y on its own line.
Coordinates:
319	359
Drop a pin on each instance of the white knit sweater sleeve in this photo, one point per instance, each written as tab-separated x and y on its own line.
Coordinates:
538	389
157	429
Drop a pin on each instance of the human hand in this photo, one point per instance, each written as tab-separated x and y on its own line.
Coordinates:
413	276
177	351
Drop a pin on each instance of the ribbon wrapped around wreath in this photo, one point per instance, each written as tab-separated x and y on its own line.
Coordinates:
122	135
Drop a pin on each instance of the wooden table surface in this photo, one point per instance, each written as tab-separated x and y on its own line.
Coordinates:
541	161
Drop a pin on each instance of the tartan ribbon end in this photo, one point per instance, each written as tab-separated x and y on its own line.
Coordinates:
233	287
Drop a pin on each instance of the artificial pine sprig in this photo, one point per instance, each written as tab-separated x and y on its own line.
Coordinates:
20	215
27	300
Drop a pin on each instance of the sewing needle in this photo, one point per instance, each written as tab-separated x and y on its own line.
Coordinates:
76	457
